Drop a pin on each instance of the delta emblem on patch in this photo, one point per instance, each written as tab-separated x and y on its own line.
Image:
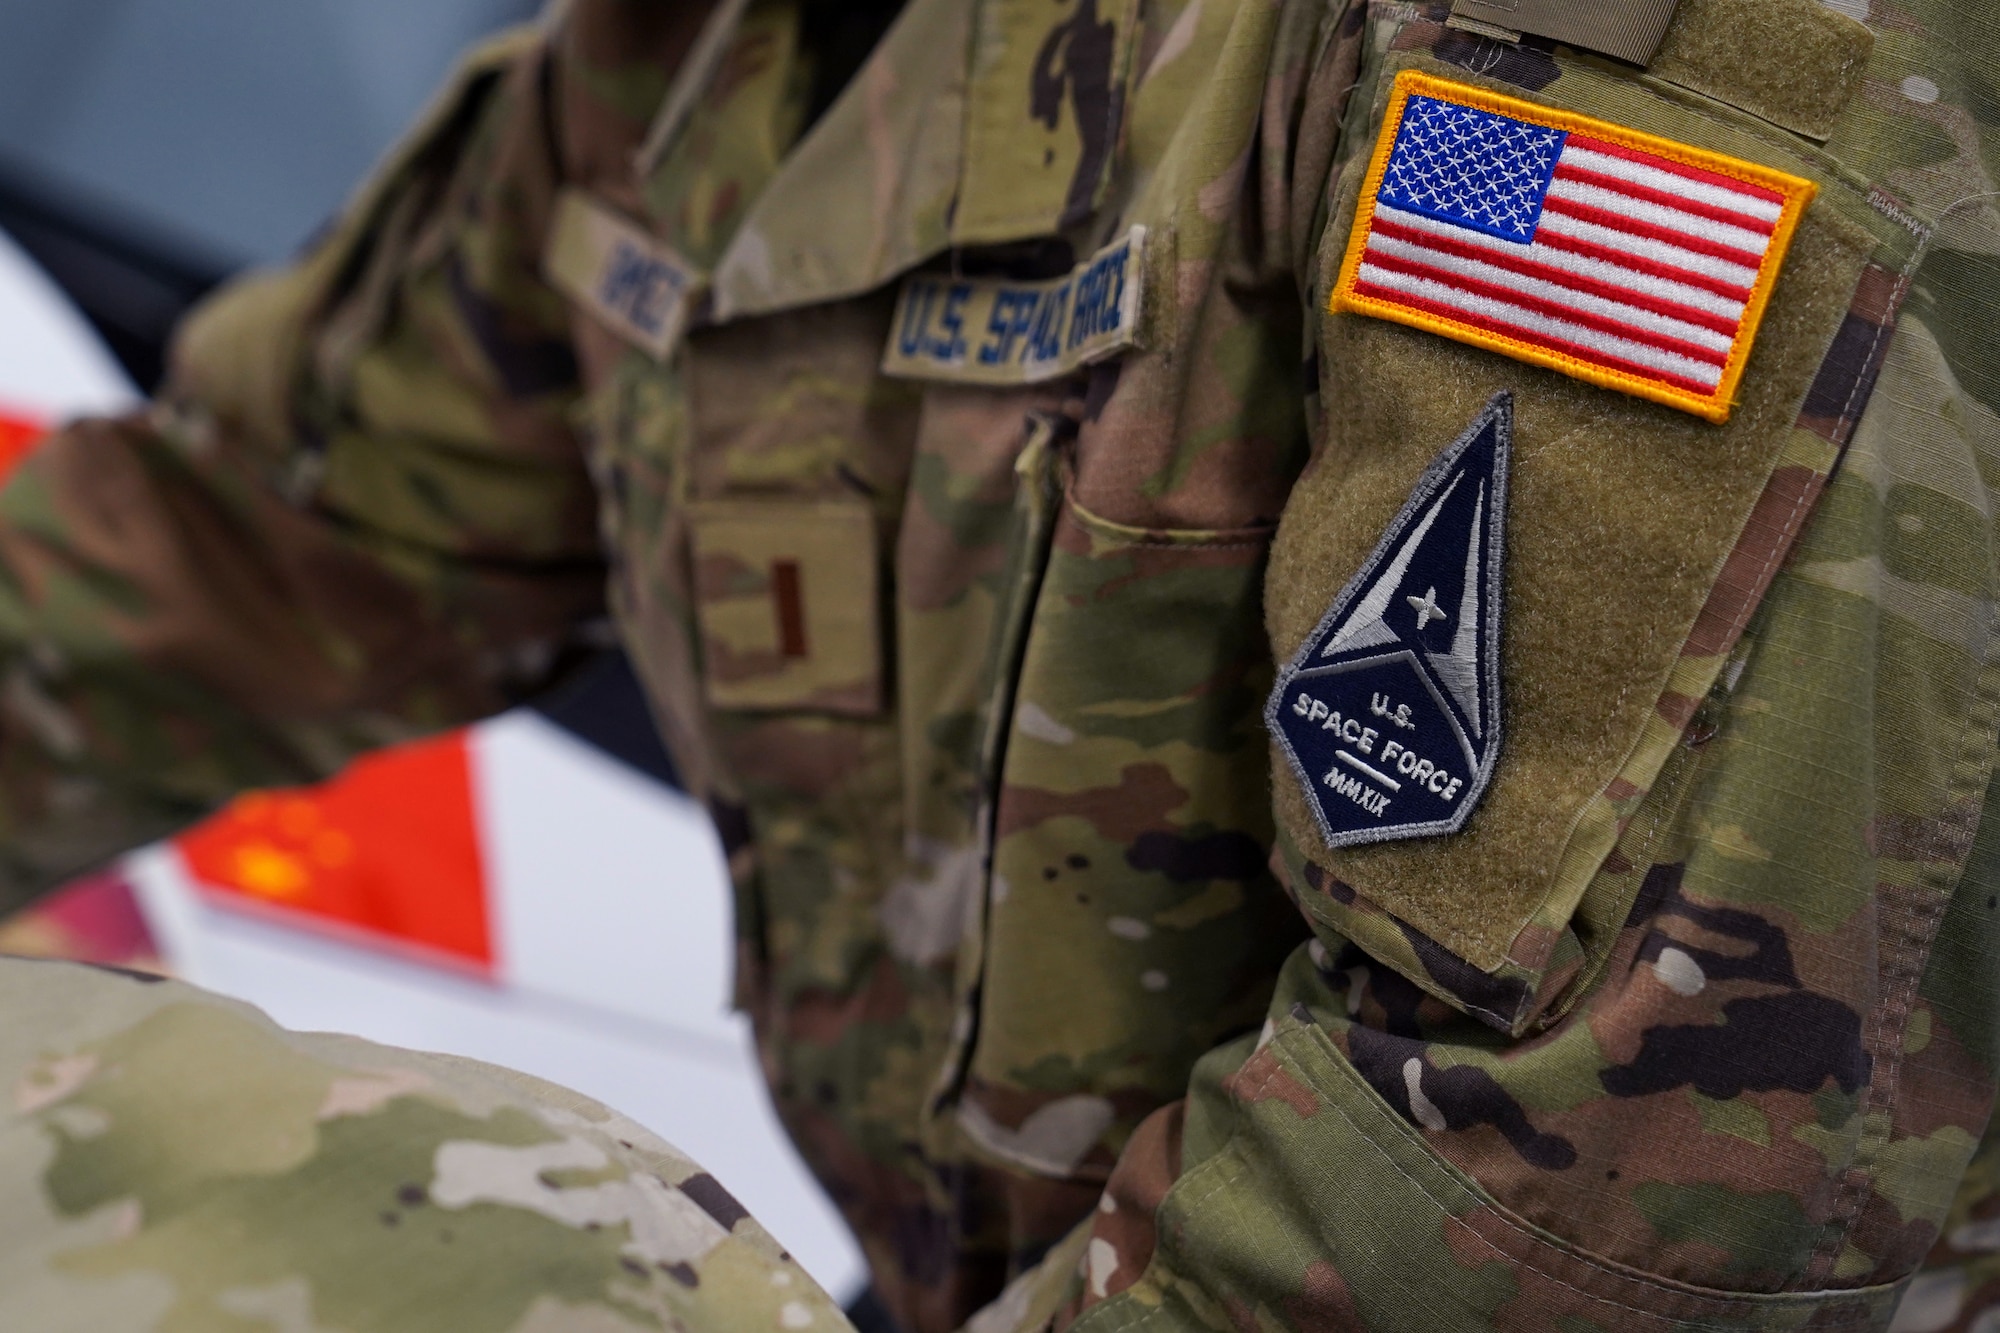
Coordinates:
1390	712
1617	257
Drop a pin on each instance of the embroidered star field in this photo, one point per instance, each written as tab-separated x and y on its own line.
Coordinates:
1460	164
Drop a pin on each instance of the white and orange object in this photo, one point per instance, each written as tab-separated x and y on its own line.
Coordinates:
510	854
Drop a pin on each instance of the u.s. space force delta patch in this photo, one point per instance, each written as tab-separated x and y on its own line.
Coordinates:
1390	712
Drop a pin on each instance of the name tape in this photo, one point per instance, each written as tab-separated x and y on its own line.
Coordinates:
629	280
994	331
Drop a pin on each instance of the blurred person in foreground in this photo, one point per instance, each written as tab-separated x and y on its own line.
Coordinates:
1343	651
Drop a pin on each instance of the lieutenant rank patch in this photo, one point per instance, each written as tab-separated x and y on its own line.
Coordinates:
1390	713
1623	259
994	331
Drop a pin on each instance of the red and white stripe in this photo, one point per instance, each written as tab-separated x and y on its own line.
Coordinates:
1640	264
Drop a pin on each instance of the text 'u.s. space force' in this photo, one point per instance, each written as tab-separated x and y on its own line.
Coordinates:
999	331
1359	772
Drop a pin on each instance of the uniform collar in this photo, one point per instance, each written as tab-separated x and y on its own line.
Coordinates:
975	122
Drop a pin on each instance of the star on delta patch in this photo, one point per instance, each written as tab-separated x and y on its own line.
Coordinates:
1390	712
1617	257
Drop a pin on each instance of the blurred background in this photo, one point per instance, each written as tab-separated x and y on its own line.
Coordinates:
534	891
148	148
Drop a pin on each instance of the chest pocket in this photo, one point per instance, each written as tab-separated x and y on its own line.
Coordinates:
1641	538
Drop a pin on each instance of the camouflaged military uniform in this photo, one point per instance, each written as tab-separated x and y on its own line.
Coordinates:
175	1161
971	451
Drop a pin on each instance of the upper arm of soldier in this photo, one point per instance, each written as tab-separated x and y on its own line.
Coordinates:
1633	720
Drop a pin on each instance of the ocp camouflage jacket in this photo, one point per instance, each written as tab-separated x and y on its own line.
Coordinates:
962	436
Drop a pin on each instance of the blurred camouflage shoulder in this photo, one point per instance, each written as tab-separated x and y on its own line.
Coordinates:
357	513
172	1160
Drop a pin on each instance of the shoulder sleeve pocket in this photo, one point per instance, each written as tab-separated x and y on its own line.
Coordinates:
1640	539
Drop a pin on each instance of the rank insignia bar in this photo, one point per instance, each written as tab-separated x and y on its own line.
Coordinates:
1390	712
1617	257
998	332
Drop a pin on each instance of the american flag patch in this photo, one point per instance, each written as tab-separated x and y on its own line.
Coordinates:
1617	257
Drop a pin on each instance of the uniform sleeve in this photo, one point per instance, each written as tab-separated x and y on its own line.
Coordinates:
357	512
1750	1088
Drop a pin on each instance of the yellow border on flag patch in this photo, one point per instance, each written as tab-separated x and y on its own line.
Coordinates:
1797	191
